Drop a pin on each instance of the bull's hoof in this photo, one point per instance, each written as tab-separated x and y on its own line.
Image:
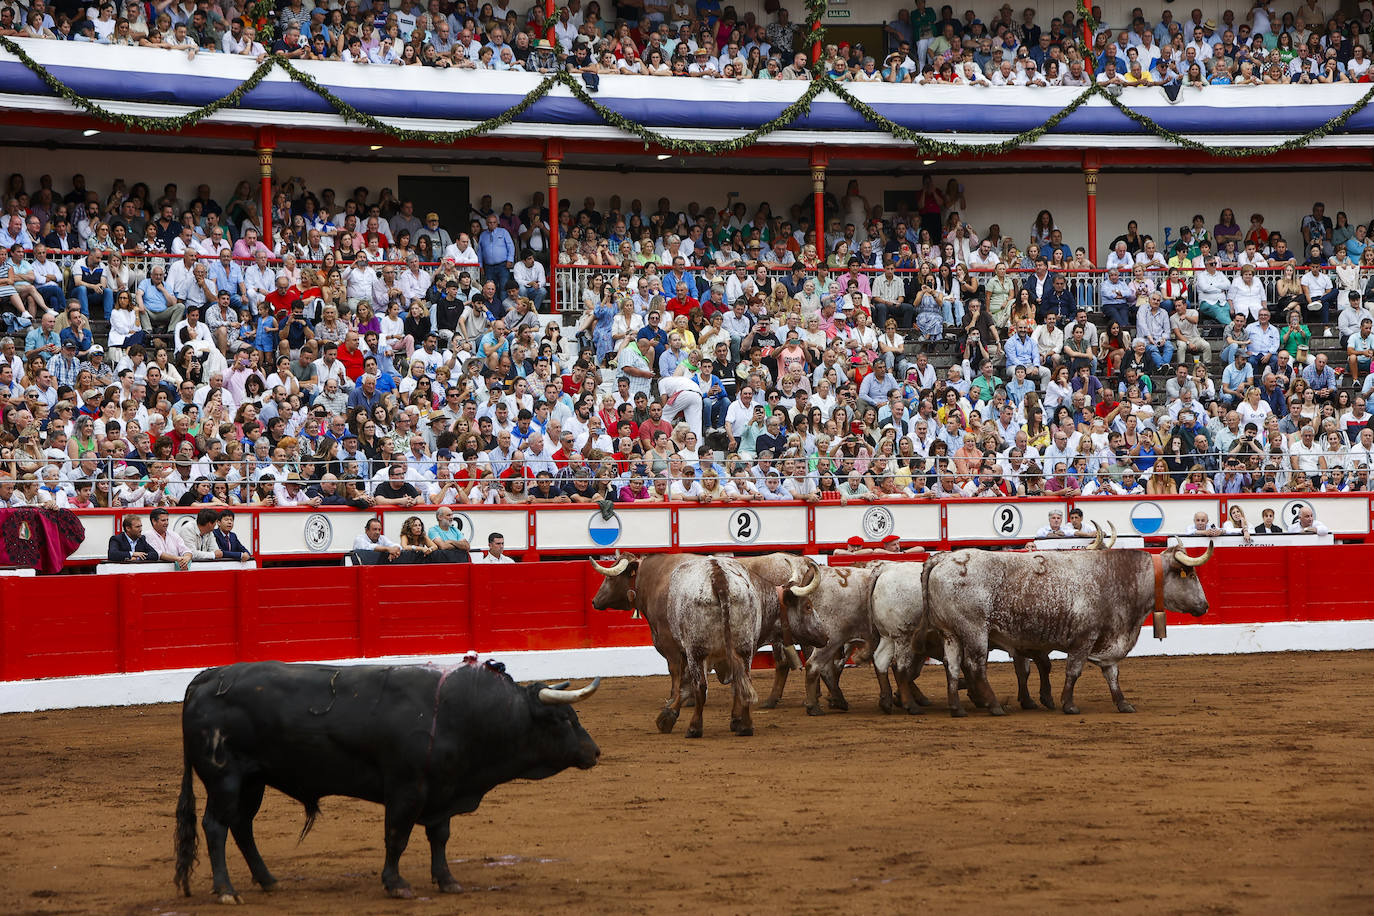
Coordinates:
922	699
1027	703
815	709
770	703
694	731
839	703
745	732
231	899
400	891
667	718
1070	710
1047	702
912	709
450	887
957	712
886	705
1125	707
996	711
269	886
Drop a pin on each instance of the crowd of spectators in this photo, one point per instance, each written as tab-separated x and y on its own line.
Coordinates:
715	357
1262	45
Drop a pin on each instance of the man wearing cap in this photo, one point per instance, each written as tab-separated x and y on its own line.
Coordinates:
703	65
543	59
438	236
65	366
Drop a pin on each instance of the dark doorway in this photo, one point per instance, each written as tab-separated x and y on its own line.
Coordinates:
447	197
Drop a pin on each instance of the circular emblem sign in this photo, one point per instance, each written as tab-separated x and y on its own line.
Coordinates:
1006	521
878	523
744	526
319	532
1291	510
1147	518
604	531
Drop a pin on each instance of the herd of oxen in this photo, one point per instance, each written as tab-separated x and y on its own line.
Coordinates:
714	613
428	743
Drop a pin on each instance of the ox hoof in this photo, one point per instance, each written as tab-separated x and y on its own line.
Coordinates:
745	732
694	731
269	886
922	699
814	709
450	887
957	712
885	704
666	720
1027	703
400	892
770	703
841	704
1047	702
996	711
912	709
1125	707
230	899
1070	710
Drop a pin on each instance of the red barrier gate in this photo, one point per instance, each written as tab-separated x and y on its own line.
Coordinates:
68	625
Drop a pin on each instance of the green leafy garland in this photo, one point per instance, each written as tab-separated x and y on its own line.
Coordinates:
924	144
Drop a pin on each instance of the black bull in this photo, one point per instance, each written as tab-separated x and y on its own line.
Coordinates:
425	743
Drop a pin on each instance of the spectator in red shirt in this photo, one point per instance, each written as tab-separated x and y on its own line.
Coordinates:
654	425
352	356
682	302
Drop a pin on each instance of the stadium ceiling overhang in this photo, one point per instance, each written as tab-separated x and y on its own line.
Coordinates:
49	95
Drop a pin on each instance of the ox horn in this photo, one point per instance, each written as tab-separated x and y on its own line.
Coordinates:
805	591
1097	538
1186	560
553	696
612	571
1112	542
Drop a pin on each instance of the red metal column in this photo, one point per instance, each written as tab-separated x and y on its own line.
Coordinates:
819	160
553	154
550	17
1090	171
266	144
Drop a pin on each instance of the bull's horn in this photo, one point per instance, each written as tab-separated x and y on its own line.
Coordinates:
560	686
1097	538
1186	560
554	696
1112	542
610	572
805	591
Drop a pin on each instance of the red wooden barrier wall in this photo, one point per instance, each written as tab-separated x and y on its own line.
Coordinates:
72	625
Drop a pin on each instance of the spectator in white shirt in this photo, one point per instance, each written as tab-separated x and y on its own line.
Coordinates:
496	550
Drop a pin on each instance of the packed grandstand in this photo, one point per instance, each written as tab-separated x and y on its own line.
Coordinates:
1259	46
159	353
708	355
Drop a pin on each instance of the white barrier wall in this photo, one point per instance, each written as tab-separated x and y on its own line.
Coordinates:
553	530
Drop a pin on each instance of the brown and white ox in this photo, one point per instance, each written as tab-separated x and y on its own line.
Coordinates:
1087	604
702	612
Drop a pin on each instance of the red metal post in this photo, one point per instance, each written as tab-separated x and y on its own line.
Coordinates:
819	160
266	144
1090	170
552	159
550	17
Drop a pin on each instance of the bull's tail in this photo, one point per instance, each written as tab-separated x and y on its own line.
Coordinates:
924	626
740	656
186	838
312	811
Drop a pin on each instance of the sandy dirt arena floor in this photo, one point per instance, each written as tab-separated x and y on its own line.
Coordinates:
1242	785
